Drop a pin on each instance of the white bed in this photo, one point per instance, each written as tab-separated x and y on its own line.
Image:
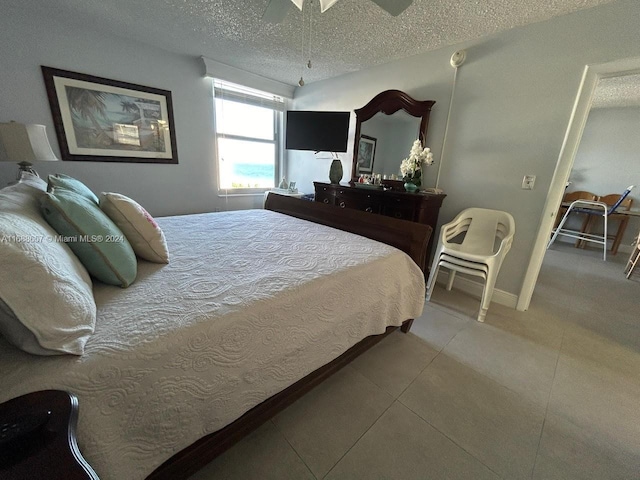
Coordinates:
251	302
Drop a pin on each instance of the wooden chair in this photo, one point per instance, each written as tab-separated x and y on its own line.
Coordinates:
591	208
572	197
623	220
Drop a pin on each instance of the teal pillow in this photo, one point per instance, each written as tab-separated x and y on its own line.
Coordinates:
61	181
92	236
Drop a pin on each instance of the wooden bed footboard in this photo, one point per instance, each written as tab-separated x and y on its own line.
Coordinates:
410	237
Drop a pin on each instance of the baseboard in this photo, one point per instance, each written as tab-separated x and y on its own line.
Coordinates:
467	285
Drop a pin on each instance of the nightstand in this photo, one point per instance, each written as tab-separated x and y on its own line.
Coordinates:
38	438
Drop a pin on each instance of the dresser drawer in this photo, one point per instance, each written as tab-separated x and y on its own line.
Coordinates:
397	211
357	201
401	208
325	197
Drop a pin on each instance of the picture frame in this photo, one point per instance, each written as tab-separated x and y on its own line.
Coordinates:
366	153
102	120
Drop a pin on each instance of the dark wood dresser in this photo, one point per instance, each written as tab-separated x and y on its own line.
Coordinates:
415	207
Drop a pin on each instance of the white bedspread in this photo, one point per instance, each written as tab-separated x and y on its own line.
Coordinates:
250	302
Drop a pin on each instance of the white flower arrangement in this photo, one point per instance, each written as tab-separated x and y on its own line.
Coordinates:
411	167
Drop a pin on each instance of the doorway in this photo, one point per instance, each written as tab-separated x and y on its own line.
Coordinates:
592	75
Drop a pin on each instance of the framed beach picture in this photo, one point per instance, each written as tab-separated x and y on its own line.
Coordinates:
366	154
102	120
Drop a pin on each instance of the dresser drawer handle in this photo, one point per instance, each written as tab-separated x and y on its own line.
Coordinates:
342	205
326	200
368	209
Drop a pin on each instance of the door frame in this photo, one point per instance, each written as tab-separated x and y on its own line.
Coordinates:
577	121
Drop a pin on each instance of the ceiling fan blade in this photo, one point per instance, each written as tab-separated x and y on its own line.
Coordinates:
326	4
394	7
276	11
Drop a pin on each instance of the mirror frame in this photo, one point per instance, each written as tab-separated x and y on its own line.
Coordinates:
389	102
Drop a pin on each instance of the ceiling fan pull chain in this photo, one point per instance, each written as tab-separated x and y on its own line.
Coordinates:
310	34
301	81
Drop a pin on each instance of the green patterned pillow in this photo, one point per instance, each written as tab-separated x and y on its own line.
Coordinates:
61	181
92	236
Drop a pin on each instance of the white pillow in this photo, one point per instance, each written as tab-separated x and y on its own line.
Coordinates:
33	180
25	194
47	299
142	231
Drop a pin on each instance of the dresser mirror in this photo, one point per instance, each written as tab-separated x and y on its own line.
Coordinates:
385	129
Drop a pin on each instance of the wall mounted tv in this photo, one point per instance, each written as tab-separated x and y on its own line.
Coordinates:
317	131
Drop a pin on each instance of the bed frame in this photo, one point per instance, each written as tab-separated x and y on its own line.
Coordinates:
410	237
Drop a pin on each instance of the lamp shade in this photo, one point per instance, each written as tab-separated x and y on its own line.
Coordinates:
24	143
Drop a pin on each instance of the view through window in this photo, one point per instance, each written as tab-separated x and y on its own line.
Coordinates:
248	125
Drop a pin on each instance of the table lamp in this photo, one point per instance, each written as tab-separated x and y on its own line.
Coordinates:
24	144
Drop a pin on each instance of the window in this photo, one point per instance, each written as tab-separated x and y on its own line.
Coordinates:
248	127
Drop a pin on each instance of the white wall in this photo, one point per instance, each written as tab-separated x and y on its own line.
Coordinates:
29	40
608	159
513	101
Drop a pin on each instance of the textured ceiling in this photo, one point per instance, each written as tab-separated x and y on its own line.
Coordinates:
617	92
351	35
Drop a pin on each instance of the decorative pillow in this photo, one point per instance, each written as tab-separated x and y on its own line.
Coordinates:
138	226
61	181
92	236
46	297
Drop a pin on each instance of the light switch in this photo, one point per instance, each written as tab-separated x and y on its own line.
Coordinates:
528	182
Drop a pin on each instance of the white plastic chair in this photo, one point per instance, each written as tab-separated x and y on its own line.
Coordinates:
594	208
488	235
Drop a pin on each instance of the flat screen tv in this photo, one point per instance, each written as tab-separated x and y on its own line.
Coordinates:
318	131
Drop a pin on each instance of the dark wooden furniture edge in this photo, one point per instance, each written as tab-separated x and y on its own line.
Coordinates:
188	461
52	448
410	237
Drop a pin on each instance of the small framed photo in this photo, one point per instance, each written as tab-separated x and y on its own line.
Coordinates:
366	154
102	120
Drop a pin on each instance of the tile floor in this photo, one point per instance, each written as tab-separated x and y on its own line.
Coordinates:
551	393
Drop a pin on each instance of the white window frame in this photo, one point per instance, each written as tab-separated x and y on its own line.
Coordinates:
238	93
